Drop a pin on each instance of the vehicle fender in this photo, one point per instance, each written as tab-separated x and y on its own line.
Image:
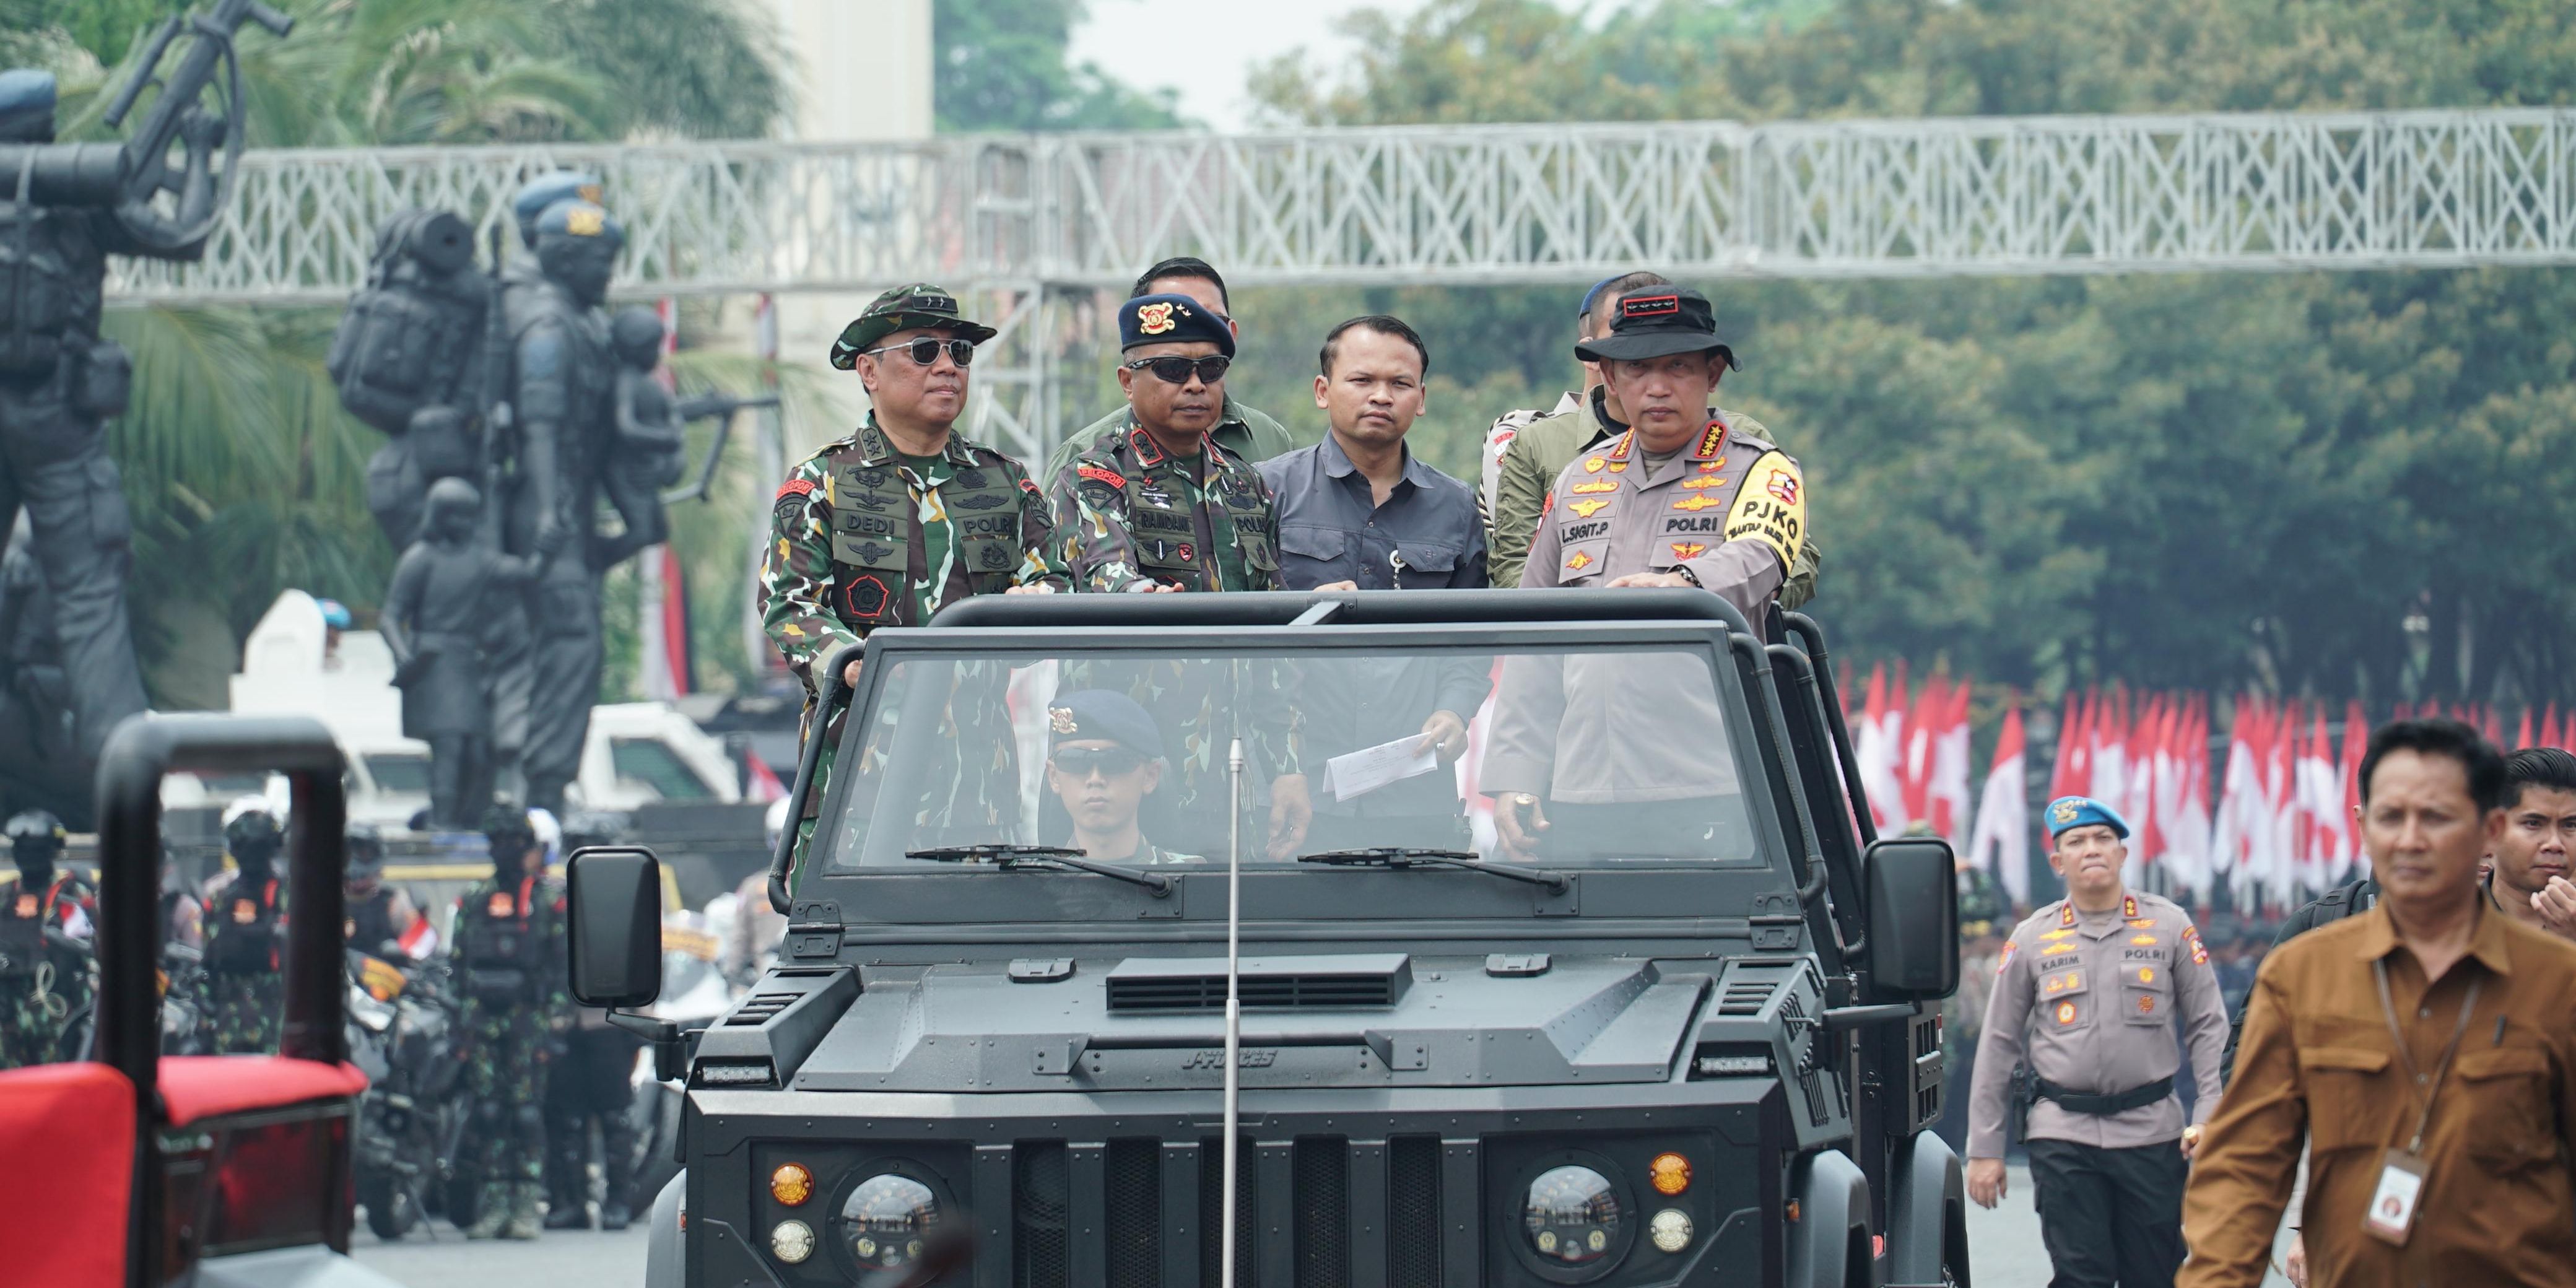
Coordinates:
1833	1216
311	1266
664	1266
1925	1196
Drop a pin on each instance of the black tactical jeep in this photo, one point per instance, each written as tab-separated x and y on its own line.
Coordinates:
1686	1036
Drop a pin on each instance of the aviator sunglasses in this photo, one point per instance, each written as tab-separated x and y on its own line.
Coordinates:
925	350
1080	761
1176	371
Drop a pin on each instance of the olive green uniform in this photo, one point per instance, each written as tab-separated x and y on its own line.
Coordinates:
43	983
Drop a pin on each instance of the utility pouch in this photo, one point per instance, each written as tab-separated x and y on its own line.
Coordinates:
104	382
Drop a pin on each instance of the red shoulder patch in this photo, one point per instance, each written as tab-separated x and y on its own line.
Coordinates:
1098	474
795	487
1030	486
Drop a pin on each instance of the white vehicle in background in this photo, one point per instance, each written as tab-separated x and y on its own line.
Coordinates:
638	753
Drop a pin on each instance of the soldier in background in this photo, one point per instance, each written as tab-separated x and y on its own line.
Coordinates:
382	921
45	927
2086	997
511	973
245	933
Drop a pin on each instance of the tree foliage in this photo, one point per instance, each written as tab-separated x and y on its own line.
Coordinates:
1002	65
2333	484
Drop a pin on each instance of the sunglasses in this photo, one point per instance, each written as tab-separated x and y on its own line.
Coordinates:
1176	371
925	350
1110	761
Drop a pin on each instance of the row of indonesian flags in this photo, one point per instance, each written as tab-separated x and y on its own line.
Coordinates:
2273	818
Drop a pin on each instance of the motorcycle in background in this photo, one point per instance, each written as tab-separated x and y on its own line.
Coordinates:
402	1027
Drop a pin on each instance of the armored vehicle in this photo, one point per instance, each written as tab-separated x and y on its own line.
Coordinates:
1684	1032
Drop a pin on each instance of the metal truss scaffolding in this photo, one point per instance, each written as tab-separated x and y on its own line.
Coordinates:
1035	223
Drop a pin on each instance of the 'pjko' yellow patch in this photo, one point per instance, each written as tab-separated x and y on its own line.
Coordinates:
1772	507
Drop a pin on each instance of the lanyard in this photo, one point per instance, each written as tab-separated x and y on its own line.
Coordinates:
2388	1008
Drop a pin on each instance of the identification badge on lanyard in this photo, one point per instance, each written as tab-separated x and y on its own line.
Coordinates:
2392	1206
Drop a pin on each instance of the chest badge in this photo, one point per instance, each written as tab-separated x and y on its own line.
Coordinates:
244	912
1585	509
1580	561
1689	549
1697	501
2144	941
2147	1004
2066	1013
498	905
1593	465
26	906
1703	482
1595	488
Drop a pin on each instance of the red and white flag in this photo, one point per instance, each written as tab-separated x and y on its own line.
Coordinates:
2187	827
2001	841
1947	790
2356	741
1881	725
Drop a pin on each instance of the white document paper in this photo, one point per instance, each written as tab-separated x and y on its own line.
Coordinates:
1370	768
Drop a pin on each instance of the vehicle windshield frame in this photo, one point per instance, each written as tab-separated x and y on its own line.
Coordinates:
899	896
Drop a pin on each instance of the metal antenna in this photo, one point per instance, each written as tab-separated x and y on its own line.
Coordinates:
1233	1004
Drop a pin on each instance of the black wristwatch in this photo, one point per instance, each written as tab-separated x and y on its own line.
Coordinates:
1687	575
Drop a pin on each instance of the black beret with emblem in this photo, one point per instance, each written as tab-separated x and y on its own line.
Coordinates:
1657	322
1168	319
902	309
1103	714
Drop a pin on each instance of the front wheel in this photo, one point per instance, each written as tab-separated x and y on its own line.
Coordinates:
391	1209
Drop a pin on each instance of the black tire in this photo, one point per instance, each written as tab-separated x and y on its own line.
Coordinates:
656	1114
391	1209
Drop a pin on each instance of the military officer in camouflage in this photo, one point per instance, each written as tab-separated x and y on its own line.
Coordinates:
1154	505
2086	998
903	516
45	925
512	974
1244	432
245	929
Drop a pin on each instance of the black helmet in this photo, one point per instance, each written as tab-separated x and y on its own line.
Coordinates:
251	832
366	848
506	827
35	836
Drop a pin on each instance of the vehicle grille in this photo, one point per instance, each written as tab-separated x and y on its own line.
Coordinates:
1182	993
1315	1212
761	1007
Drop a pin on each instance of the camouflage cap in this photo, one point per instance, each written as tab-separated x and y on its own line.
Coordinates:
918	304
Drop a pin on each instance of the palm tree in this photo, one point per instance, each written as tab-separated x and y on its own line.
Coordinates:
245	475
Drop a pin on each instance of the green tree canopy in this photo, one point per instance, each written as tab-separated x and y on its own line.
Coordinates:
1002	65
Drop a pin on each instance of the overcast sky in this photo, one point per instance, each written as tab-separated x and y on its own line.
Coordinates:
1206	51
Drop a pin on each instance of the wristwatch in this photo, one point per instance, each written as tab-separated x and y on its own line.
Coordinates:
1685	573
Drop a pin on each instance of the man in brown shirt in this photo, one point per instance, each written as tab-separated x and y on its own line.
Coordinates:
2473	1045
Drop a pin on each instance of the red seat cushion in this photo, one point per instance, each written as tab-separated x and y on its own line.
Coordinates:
66	1174
204	1086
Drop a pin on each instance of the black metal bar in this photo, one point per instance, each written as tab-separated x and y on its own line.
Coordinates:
1754	658
1182	1233
138	754
1812	636
829	693
1356	608
1274	1210
996	1210
1826	805
1087	1213
1368	1219
1462	1224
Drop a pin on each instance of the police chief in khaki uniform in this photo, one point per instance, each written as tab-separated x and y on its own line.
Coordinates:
1682	498
2086	997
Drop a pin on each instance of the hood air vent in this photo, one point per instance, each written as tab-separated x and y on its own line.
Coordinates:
1175	986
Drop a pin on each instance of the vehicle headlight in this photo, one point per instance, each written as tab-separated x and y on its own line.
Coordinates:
1572	1217
885	1220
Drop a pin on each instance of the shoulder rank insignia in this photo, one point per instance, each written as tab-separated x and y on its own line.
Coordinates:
1593	465
2066	914
1585	509
1712	440
1697	501
2128	905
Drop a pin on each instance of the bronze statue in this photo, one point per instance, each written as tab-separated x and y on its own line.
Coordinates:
438	622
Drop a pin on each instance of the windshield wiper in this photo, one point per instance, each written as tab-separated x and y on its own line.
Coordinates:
1012	857
1406	856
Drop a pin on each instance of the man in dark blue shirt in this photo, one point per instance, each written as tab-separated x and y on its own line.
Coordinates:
1359	511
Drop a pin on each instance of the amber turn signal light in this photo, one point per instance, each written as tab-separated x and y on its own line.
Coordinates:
1669	1174
791	1184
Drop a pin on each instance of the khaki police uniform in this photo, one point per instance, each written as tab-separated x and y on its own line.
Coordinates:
2088	1003
1729	511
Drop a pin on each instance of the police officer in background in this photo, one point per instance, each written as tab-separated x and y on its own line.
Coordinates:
2086	999
45	912
245	931
511	973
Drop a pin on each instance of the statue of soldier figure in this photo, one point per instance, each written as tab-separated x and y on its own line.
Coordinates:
438	623
59	385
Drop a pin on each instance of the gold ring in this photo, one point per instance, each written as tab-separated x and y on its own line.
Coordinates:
1524	800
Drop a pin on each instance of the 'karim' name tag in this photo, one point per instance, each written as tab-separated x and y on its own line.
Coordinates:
2392	1206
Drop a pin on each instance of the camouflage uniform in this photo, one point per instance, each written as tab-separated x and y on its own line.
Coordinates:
511	965
42	985
1130	513
862	536
242	989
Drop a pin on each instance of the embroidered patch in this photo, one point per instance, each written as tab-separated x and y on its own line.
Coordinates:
795	487
244	912
1155	319
26	906
1650	306
1702	482
1783	485
1697	501
2147	1004
1689	549
866	597
498	905
1595	488
1099	474
2005	962
1593	466
1585	509
2066	1013
1580	561
1188	553
2064	812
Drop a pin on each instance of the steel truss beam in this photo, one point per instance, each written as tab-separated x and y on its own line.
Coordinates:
1038	221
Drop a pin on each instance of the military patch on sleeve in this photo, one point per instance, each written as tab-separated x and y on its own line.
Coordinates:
866	596
1101	474
1030	486
791	498
1771	507
2005	962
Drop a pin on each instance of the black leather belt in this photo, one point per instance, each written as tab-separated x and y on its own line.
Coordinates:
2118	1102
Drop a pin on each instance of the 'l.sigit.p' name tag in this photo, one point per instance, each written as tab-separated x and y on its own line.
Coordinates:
2392	1204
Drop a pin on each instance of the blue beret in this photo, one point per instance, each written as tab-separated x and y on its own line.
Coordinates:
1166	319
545	190
1100	713
2067	812
574	217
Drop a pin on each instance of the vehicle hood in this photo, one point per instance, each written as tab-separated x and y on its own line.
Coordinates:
1368	1020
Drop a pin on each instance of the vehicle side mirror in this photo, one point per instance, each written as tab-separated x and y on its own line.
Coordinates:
615	926
1913	889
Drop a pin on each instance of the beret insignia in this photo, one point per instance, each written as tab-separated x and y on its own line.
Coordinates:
1060	720
1155	319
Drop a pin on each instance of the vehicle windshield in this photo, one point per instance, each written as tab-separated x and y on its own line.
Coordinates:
1123	757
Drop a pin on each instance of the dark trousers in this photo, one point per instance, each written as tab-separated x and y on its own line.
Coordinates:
2109	1215
591	1082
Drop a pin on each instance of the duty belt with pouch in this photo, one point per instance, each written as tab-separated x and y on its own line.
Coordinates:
2101	1104
2017	1103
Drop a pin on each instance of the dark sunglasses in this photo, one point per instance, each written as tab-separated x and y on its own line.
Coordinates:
1080	761
1176	371
925	350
